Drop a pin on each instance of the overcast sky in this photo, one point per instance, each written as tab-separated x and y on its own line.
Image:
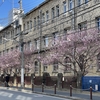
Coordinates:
7	5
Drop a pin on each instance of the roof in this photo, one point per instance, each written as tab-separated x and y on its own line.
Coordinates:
46	1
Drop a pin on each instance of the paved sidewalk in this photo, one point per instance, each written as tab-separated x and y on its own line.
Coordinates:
76	95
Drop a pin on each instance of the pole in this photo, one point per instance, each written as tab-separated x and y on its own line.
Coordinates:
40	13
90	93
21	47
22	61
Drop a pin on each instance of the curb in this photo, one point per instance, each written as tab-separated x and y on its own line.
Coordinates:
28	91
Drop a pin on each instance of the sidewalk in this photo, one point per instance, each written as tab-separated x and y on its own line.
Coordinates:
76	94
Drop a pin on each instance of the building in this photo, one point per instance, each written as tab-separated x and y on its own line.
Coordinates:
52	18
13	15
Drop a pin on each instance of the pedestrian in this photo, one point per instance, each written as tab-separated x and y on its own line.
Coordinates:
7	79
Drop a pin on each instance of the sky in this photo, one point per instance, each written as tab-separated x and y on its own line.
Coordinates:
7	5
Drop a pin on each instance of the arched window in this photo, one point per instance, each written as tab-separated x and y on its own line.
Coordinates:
98	62
36	66
67	63
55	66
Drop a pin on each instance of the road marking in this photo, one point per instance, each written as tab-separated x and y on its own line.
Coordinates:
38	95
6	94
20	97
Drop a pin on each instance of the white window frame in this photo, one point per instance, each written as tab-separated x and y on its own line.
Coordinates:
53	12
30	24
70	4
79	2
47	15
35	22
46	42
64	6
57	10
98	22
37	44
43	17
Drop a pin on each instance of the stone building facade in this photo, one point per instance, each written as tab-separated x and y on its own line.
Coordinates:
50	19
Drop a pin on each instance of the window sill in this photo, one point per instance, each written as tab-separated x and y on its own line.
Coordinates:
98	70
67	71
54	71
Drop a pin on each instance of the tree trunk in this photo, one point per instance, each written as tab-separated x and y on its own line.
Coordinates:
79	79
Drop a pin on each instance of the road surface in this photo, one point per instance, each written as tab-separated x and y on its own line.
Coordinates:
17	95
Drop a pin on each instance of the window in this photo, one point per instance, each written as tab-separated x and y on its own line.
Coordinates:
55	66
98	22
34	22
86	1
38	20
43	18
11	48
29	45
17	48
47	15
45	68
30	24
7	50
79	2
67	62
64	6
0	39
12	34
8	35
57	10
65	31
46	41
24	27
37	43
70	4
82	26
55	37
53	12
36	66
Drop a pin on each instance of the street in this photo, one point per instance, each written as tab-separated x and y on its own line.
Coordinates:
17	95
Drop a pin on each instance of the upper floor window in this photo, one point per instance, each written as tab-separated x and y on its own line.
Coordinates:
86	1
30	24
82	25
12	33
57	10
98	22
0	39
53	12
46	41
55	37
29	45
34	22
12	48
70	4
47	15
64	6
38	20
43	18
37	43
8	35
24	26
79	2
